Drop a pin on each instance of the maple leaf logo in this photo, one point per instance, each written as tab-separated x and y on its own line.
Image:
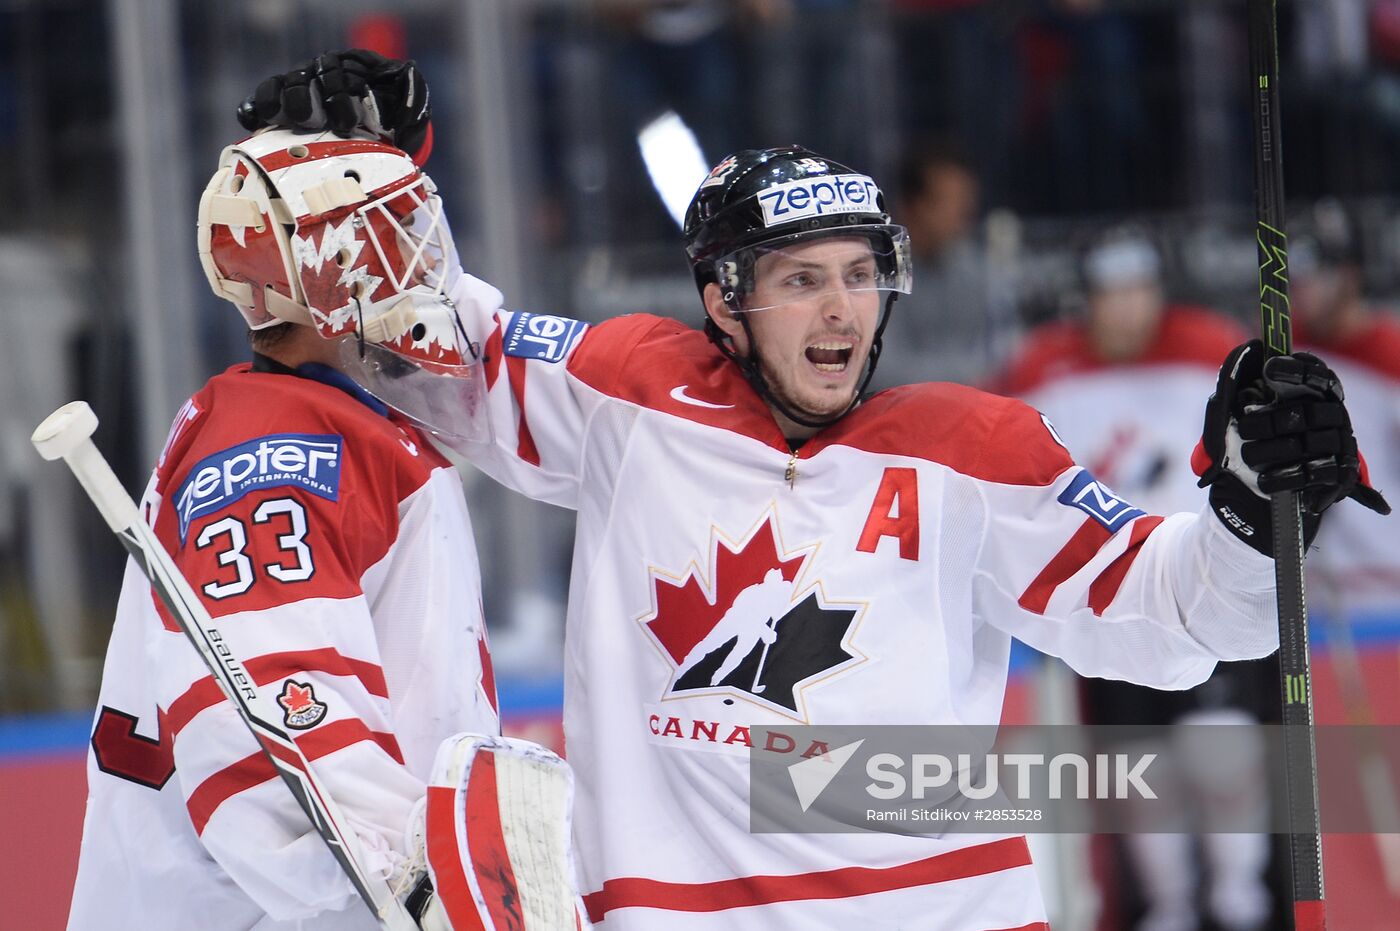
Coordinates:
750	629
720	172
299	700
331	272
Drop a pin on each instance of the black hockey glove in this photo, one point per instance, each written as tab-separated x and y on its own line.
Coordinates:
345	91
1278	424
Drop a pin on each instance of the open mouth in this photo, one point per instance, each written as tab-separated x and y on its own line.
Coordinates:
830	357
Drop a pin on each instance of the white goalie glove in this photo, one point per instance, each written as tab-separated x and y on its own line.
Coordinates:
490	843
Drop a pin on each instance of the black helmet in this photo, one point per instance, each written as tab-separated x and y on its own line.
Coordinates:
760	200
772	197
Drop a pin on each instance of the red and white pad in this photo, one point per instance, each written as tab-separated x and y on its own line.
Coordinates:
497	834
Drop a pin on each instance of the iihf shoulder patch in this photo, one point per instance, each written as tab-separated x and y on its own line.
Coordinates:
1099	502
308	461
540	336
299	700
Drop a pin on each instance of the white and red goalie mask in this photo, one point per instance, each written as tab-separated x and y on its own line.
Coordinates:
347	236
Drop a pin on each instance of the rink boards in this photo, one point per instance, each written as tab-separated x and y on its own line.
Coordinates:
42	785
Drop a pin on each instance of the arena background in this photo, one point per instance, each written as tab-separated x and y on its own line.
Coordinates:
1073	115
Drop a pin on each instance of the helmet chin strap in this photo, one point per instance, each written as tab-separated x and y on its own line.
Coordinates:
751	366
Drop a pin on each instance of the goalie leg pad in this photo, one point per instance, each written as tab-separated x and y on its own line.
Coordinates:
498	836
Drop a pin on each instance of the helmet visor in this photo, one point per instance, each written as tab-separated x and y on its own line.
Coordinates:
842	263
447	400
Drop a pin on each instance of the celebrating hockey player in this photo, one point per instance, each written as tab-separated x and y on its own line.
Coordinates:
921	528
302	499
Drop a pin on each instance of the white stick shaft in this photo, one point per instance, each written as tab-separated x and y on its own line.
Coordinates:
102	486
62	436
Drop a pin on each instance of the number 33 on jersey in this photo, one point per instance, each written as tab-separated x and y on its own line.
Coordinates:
311	463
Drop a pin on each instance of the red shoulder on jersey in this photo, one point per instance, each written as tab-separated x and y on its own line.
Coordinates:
981	435
277	488
1188	335
668	366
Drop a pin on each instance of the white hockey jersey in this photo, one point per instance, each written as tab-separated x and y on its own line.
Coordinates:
919	534
333	545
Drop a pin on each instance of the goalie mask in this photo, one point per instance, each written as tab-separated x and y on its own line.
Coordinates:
347	236
758	203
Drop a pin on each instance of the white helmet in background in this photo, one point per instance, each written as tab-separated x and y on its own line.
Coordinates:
347	236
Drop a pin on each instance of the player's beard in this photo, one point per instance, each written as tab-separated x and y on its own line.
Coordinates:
783	396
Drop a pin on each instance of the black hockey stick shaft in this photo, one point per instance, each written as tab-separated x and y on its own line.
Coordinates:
1300	754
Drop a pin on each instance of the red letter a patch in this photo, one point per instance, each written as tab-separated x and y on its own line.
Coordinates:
894	513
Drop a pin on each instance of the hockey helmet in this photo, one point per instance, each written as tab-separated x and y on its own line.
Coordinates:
1120	256
347	236
760	201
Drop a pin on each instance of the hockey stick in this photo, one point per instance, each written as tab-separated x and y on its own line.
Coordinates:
1300	753
67	434
763	658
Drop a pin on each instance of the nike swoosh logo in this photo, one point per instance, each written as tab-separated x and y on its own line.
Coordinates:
678	393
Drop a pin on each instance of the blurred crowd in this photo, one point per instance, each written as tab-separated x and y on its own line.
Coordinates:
1016	138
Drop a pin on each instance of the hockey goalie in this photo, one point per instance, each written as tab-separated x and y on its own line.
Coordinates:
302	499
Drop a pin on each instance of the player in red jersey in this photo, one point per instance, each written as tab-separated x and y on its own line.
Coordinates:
303	500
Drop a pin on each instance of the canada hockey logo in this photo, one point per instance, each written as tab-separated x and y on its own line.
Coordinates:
720	173
752	625
299	700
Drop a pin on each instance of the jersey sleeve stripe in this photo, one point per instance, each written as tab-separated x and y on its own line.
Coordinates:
270	667
516	368
255	769
1075	555
846	882
1105	588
